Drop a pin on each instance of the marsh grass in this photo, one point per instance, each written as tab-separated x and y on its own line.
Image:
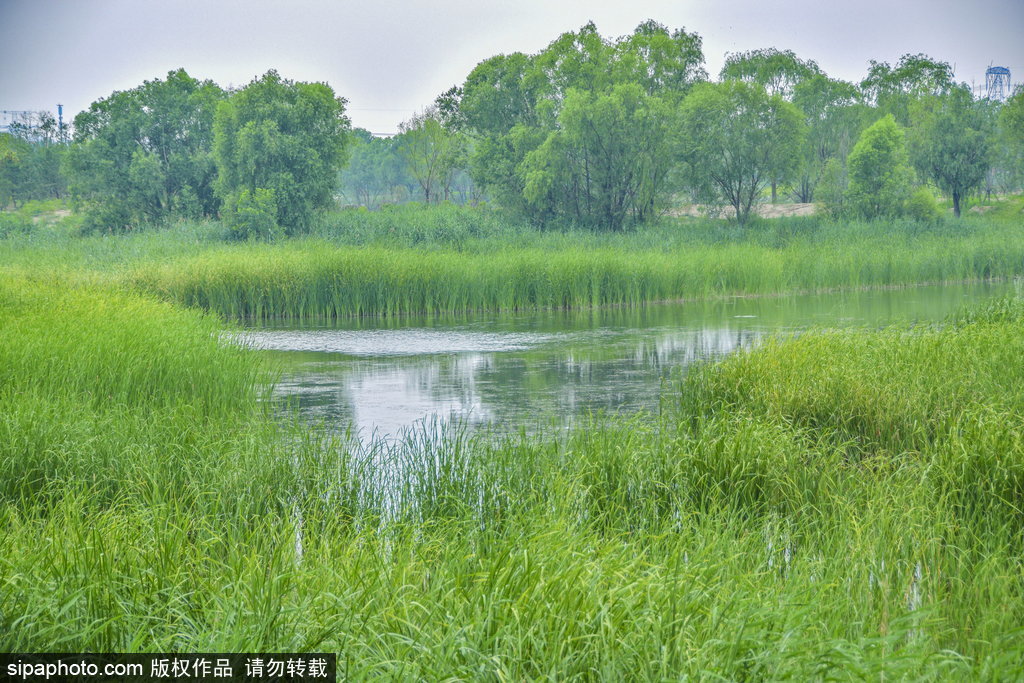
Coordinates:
446	260
833	506
318	280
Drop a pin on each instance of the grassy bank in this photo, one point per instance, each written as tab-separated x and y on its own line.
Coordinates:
841	505
313	279
418	260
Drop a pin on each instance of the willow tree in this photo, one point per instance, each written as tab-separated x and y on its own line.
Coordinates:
951	142
558	134
735	139
278	145
608	161
432	153
145	154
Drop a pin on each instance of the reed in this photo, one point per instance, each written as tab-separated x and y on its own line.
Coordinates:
319	280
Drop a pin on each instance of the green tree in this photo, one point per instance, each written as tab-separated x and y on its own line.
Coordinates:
663	63
735	139
777	71
951	142
513	105
607	162
144	154
1011	141
893	88
433	154
1011	118
880	177
835	117
287	137
14	169
373	172
30	160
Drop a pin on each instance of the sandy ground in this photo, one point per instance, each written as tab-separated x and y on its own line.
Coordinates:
763	210
52	215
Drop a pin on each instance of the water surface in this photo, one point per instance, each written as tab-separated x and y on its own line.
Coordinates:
512	371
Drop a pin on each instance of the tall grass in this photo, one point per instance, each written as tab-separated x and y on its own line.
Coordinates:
447	259
318	280
839	505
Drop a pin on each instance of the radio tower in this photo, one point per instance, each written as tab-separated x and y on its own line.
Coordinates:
997	83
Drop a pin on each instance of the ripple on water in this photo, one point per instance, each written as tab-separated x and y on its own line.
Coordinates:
408	342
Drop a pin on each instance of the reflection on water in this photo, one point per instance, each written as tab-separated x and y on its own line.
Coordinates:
519	370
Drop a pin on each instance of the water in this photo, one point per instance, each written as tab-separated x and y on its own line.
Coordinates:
512	371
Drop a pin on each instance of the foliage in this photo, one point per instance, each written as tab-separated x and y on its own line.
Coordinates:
608	162
879	171
832	188
1010	148
1011	117
530	110
835	117
779	72
375	173
432	153
922	205
893	88
285	137
735	139
30	164
143	155
253	215
952	142
14	223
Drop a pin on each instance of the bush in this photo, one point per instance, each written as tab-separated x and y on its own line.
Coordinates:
107	218
253	215
832	189
880	173
923	206
14	223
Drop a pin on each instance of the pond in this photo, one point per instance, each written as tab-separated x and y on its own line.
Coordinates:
511	371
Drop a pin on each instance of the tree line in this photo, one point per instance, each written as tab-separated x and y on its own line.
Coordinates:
589	131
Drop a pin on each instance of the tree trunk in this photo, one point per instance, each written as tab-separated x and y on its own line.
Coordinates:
956	204
774	192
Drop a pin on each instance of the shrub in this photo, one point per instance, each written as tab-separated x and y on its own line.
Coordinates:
923	206
253	215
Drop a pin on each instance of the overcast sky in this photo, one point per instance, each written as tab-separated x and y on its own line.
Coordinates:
390	58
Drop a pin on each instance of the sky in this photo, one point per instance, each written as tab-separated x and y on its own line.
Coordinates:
390	58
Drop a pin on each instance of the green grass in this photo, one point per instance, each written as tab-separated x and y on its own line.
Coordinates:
438	260
833	506
311	279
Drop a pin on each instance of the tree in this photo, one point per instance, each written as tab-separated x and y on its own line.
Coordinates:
145	154
735	139
880	177
893	88
663	63
835	117
1011	118
432	154
777	71
515	109
30	159
373	171
606	163
284	137
951	142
